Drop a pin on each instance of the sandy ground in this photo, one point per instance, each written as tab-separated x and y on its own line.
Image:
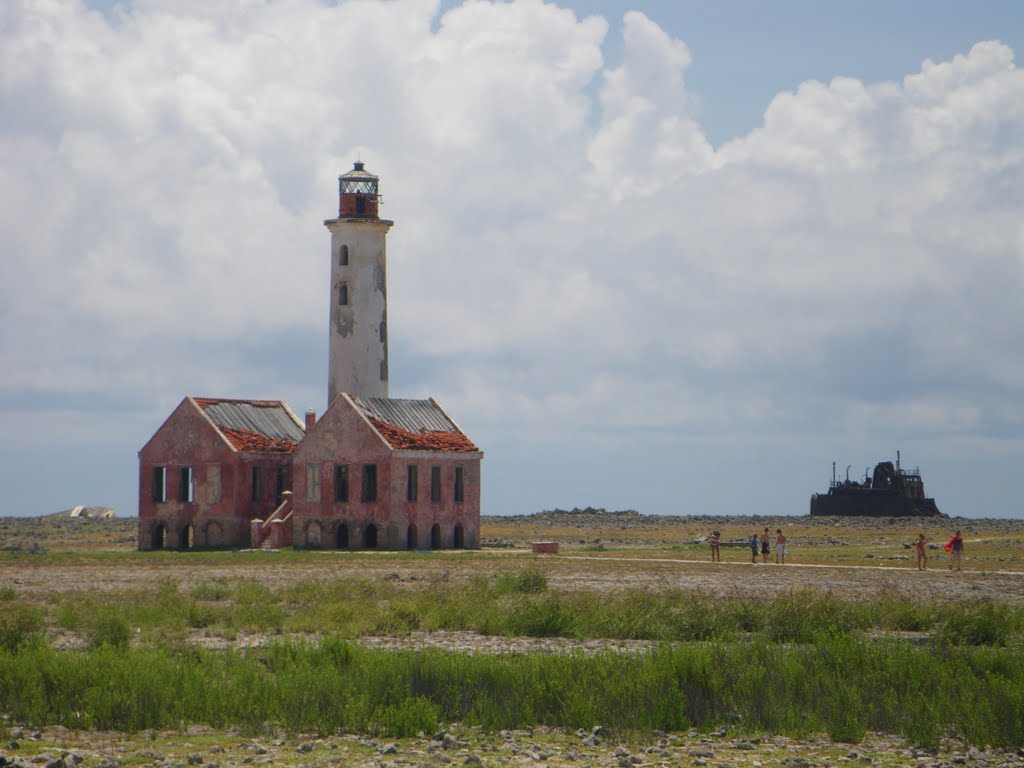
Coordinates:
606	571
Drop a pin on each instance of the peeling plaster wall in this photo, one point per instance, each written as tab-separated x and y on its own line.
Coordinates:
358	357
342	436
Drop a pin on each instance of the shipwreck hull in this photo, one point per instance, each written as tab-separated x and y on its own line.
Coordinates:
870	504
890	492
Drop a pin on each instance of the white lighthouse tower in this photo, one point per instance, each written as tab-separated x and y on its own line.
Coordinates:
358	362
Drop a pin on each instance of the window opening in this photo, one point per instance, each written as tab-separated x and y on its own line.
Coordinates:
459	537
185	485
159	484
343	536
410	483
213	484
459	484
343	256
281	484
312	482
341	482
343	295
370	537
369	482
435	536
435	483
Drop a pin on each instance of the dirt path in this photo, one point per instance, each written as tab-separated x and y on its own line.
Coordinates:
567	571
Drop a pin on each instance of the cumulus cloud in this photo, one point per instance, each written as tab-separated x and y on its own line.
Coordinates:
571	254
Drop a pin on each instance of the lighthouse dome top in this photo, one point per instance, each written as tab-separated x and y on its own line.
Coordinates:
359	194
358	181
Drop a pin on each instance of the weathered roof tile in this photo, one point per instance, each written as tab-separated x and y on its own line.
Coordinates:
266	426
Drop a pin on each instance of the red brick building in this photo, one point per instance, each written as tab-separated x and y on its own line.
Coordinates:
373	472
388	473
211	467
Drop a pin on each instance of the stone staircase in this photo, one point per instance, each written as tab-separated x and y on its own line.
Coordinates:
276	531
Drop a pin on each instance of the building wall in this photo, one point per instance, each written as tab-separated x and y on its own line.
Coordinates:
222	505
343	437
446	513
358	356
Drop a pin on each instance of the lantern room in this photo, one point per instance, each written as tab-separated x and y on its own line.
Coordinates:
358	194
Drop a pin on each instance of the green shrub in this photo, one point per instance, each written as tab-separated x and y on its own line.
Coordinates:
522	581
538	616
20	625
216	590
108	627
982	624
407	718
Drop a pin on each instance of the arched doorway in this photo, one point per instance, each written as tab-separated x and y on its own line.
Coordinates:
459	537
313	535
435	536
410	538
342	536
370	537
159	534
185	542
214	535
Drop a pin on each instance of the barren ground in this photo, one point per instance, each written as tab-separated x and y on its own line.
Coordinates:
854	559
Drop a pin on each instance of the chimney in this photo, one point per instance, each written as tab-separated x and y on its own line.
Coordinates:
310	420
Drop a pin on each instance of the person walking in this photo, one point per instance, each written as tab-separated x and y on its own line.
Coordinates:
922	552
780	546
714	540
766	546
755	542
955	547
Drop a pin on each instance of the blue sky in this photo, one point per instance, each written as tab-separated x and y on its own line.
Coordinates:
669	256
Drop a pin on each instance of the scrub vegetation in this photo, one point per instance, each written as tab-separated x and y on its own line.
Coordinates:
797	663
839	684
629	627
514	602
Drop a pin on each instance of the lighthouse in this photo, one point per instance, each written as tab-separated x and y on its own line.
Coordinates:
358	357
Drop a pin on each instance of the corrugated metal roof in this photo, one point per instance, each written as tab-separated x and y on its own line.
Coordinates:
268	418
411	415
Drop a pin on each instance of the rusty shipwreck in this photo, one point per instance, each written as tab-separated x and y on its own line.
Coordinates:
890	491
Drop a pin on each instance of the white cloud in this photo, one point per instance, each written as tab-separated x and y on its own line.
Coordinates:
561	262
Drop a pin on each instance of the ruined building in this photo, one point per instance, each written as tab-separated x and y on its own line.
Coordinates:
373	472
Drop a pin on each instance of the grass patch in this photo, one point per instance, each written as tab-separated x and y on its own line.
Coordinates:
841	685
514	602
